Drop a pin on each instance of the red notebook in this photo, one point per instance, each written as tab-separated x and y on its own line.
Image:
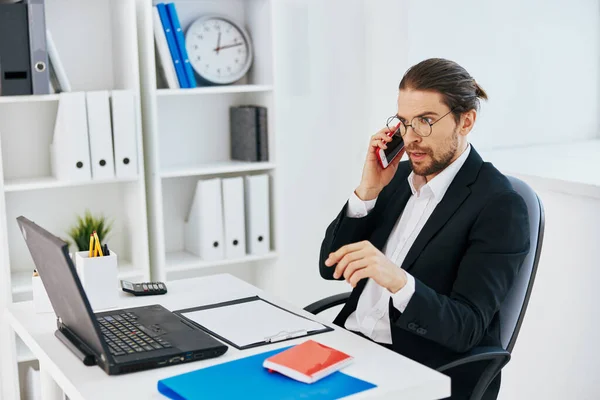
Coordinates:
308	362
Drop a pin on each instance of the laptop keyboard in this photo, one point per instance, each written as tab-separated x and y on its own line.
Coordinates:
123	335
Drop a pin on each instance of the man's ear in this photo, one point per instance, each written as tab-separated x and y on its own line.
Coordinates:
467	121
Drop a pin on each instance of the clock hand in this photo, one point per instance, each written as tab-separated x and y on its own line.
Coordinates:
218	43
230	45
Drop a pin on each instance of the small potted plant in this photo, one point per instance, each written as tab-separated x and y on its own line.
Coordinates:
98	272
86	225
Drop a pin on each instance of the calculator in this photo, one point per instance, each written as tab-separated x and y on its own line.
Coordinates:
144	288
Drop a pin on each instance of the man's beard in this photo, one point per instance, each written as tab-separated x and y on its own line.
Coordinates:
439	163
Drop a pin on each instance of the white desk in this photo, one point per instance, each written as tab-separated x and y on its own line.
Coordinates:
395	376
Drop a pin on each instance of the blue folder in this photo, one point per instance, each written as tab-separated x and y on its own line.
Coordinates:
177	62
246	378
180	40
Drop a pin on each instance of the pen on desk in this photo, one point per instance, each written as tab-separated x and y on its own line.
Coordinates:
286	335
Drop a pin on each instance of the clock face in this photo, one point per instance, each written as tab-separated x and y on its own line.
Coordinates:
219	50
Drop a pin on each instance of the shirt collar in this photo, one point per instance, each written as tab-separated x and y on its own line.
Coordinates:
441	182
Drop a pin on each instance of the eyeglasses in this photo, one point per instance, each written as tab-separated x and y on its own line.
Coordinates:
421	125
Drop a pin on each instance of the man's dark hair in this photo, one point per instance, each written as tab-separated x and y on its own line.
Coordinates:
459	90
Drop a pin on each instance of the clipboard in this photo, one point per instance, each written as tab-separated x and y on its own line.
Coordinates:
217	327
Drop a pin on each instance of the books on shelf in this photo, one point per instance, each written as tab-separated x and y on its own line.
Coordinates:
38	51
15	78
59	82
69	150
229	218
173	60
180	40
164	61
249	133
204	226
23	49
88	136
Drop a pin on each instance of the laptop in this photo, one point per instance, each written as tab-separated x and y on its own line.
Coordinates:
118	341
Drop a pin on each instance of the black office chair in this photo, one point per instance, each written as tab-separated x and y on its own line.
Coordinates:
511	311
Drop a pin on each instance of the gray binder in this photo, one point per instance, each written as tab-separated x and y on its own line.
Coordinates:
14	50
38	52
262	134
249	136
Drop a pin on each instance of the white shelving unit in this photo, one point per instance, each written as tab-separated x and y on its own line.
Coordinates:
187	137
109	45
98	45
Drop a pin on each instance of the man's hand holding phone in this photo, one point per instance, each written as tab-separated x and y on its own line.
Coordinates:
375	177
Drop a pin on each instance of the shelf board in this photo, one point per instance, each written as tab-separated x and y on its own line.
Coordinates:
21	280
178	261
49	182
225	167
215	90
30	98
23	352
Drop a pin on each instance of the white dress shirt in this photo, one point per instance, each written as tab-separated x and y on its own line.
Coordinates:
371	317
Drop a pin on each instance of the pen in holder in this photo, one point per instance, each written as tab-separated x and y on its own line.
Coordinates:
99	277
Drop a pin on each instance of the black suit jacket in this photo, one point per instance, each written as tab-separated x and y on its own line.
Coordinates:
464	261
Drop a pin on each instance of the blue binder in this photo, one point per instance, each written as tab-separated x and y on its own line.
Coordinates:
180	40
166	23
246	378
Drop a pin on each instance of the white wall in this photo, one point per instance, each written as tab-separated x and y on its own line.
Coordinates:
338	65
537	60
320	97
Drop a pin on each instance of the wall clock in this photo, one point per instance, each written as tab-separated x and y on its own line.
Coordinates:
219	50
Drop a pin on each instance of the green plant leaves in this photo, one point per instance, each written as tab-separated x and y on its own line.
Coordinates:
85	226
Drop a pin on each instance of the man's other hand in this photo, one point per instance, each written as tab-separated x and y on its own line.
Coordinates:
361	260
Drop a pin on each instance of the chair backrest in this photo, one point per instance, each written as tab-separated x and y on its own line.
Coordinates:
514	306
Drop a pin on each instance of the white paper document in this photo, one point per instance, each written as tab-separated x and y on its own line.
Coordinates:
252	322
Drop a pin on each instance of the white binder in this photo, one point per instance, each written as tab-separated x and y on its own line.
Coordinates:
204	226
70	150
100	132
233	217
258	222
164	59
124	130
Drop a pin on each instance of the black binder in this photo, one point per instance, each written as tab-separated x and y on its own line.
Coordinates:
249	346
14	50
249	133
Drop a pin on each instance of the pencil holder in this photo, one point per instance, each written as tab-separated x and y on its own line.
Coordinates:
41	302
99	277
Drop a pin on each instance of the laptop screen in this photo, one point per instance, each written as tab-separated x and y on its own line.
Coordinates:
52	261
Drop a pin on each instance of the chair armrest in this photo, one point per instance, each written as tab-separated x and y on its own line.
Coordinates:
483	353
327	303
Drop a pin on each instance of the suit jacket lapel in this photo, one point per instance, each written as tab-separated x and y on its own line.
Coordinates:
389	216
457	193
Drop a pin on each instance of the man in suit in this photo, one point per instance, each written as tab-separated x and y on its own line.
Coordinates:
430	246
